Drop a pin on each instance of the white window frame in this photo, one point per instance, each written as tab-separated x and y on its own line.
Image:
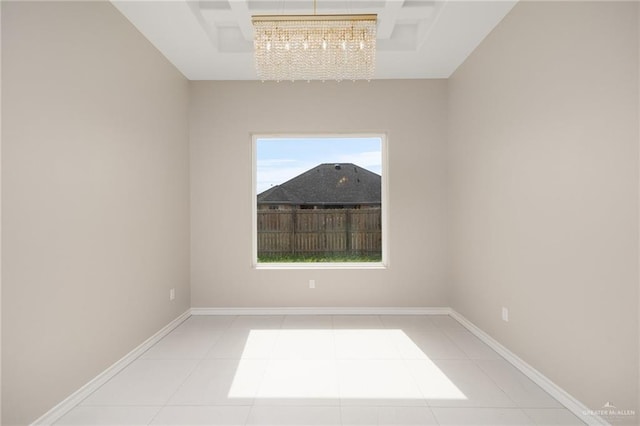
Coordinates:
383	264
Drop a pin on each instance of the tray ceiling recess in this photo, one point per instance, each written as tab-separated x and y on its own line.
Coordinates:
213	40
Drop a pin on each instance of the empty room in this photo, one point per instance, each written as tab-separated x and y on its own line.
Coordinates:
320	212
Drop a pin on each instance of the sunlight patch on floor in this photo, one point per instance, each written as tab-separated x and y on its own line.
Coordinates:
362	364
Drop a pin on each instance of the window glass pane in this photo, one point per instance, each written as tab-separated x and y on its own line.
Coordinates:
319	199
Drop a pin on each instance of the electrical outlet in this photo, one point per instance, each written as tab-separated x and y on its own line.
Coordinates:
172	294
505	314
312	283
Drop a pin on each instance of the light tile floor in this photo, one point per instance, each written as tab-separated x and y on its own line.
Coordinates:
320	370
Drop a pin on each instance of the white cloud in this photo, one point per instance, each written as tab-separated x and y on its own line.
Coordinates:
370	160
272	175
275	162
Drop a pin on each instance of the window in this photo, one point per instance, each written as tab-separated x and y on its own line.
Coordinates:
319	201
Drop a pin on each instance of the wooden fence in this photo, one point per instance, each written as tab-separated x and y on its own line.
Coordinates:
335	231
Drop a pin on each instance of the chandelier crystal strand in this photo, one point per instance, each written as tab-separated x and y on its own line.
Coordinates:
315	47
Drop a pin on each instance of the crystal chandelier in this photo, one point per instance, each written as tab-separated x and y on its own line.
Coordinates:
315	47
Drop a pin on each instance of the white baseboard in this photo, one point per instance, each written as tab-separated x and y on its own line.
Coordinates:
571	403
320	311
76	398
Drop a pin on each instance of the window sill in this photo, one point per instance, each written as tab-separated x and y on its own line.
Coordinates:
328	265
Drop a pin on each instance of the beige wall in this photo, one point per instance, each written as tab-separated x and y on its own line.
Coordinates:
94	194
540	138
223	116
543	183
0	217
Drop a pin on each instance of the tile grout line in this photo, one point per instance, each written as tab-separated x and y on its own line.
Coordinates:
440	329
573	405
200	362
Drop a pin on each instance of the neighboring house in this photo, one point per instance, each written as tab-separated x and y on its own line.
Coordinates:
326	186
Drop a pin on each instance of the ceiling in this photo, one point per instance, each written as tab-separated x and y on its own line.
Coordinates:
212	39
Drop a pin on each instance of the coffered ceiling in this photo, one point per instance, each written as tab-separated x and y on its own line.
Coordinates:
212	39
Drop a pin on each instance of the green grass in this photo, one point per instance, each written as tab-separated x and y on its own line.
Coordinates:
319	258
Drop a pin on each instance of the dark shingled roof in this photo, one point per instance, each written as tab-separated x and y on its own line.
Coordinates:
327	184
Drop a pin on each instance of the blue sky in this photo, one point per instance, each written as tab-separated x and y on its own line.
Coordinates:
280	159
